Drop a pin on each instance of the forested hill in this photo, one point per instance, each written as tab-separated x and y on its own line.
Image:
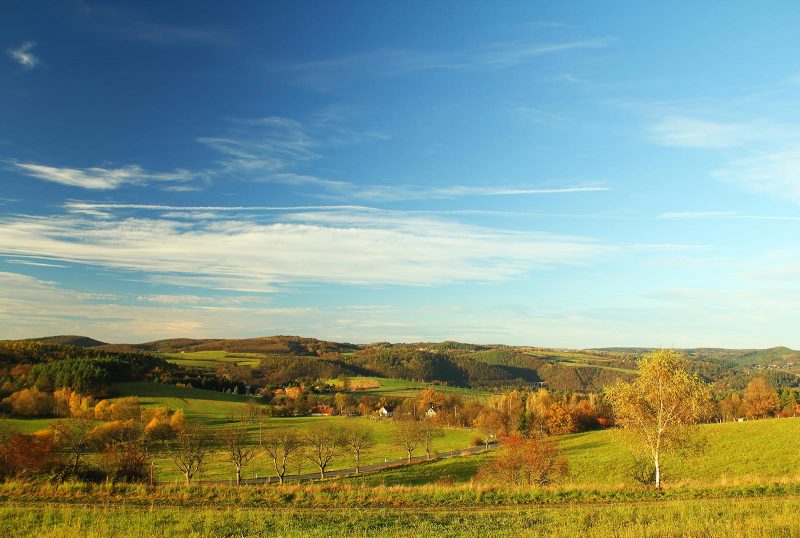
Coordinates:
775	356
274	345
70	340
285	360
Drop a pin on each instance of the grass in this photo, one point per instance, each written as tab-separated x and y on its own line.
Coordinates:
455	470
732	451
729	453
211	359
208	406
215	410
385	449
385	386
692	518
28	425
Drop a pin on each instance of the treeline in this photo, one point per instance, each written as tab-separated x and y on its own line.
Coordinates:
26	363
48	367
269	345
759	399
440	364
121	432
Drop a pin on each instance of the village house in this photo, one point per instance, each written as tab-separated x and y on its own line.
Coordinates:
322	411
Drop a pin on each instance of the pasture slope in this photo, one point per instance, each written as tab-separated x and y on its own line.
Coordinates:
742	479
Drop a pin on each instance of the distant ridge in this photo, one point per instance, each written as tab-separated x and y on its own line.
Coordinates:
70	340
740	357
277	345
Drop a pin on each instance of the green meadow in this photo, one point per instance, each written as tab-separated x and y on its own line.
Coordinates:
211	359
756	517
732	452
401	388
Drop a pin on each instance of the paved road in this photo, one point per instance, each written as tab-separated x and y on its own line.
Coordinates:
331	473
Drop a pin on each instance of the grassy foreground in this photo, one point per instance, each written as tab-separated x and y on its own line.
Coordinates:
714	517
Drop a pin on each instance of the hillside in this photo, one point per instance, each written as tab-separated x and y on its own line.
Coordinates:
69	340
728	453
282	360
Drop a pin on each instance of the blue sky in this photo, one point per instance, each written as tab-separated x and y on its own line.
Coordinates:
556	174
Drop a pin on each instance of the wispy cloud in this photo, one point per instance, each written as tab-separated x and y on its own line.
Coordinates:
759	155
271	150
774	172
398	62
98	178
725	215
120	23
24	56
34	264
353	247
268	149
687	132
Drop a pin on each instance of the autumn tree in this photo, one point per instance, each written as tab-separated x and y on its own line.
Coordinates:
558	420
126	461
190	449
238	448
321	446
731	408
427	433
407	434
429	398
124	449
343	402
760	400
532	462
178	420
492	424
280	444
658	406
357	438
30	402
73	436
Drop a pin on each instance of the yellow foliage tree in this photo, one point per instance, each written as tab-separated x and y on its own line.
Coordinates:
761	400
657	407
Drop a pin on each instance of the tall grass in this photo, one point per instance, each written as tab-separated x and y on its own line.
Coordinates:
700	518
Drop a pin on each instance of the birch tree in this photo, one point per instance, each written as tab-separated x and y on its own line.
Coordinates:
659	406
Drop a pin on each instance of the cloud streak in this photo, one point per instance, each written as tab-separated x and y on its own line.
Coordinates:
24	56
350	248
98	178
387	62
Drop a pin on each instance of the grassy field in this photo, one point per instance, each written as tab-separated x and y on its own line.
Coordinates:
743	479
384	386
211	359
729	453
732	451
757	517
208	406
215	410
385	449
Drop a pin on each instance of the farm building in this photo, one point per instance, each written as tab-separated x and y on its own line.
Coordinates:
322	411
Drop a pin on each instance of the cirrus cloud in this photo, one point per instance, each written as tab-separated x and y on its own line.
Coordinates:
349	247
